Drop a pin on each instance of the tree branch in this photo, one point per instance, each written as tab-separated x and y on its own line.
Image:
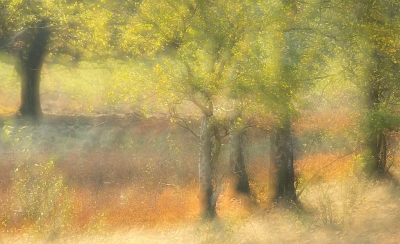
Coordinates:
322	168
183	123
13	39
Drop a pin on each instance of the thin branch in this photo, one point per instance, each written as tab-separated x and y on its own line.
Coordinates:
184	124
13	39
227	133
12	15
322	168
204	109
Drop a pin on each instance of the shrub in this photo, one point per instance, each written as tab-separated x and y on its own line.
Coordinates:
39	198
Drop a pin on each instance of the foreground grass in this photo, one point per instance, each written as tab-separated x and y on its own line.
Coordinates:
124	181
349	210
374	220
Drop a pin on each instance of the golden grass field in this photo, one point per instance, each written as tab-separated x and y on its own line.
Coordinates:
135	181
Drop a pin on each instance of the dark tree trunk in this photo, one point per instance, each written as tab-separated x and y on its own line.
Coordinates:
31	57
375	150
282	170
375	145
240	180
374	133
206	194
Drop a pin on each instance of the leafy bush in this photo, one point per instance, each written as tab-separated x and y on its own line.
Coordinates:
39	198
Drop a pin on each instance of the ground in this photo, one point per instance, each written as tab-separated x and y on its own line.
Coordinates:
125	179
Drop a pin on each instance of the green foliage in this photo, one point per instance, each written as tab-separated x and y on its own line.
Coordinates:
382	120
17	140
187	50
80	30
38	196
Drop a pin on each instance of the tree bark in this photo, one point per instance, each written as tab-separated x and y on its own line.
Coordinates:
374	137
31	58
239	178
282	170
375	145
206	191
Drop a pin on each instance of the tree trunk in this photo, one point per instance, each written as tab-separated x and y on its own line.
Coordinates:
206	194
31	57
240	180
375	146
374	137
374	134
282	170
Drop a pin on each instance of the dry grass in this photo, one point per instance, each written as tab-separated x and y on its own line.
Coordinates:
137	183
325	167
373	220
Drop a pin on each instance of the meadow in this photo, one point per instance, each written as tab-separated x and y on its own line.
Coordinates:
98	172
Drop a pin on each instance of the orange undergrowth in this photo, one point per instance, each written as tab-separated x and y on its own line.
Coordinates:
320	166
139	207
148	186
334	122
146	204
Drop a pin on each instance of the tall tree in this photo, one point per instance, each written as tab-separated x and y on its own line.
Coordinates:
366	32
189	47
376	29
298	54
240	179
65	30
25	32
31	56
282	170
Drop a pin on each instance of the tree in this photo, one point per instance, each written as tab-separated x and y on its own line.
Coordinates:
31	57
190	49
62	31
240	179
25	32
376	25
299	53
282	170
365	32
